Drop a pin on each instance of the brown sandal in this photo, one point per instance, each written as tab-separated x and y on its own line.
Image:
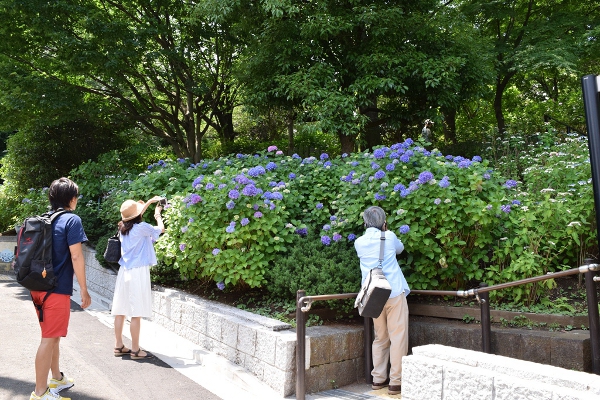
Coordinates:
135	355
120	352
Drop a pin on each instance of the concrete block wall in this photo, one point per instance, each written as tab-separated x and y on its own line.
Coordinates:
437	372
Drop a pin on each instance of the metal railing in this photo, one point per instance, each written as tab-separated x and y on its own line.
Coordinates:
304	303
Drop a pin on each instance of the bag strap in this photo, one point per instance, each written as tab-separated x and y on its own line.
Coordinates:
40	307
381	249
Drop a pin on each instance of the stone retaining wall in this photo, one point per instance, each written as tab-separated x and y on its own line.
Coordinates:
447	373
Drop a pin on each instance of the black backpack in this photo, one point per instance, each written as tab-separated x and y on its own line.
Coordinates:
33	255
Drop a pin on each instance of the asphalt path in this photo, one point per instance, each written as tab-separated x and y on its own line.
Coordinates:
86	355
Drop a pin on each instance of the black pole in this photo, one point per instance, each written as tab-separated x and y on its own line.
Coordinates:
486	323
368	343
594	318
300	348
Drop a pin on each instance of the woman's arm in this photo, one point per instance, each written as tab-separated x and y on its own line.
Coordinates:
158	218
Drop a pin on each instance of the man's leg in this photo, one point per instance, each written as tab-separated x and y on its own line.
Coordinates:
398	331
44	360
381	348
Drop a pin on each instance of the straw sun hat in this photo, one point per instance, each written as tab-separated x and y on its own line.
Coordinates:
131	209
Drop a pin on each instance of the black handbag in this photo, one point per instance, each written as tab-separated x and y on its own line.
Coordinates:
112	254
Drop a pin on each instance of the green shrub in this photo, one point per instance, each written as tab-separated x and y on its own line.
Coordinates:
317	269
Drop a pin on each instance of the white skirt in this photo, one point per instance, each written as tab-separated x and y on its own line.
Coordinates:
133	293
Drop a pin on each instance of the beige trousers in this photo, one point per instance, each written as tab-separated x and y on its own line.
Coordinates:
391	341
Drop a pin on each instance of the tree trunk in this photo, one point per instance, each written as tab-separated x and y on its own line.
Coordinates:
290	130
347	143
450	125
372	130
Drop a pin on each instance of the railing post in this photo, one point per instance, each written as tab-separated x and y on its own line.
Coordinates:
486	324
368	343
300	348
592	303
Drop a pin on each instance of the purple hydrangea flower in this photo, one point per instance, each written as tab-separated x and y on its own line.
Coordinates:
379	153
209	186
324	156
351	237
319	206
379	174
220	286
230	229
326	227
250	190
425	177
464	164
272	148
354	163
390	167
399	187
256	171
296	156
326	240
271	166
258	214
374	165
505	208
233	194
445	182
476	159
216	251
404	229
191	220
488	207
197	181
193	199
509	184
238	155
302	231
222	185
404	192
516	202
344	155
405	158
182	246
379	196
184	229
333	218
408	142
337	237
487	176
292	175
230	205
241	179
244	221
437	201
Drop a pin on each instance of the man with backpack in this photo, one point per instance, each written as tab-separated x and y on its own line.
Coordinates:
67	259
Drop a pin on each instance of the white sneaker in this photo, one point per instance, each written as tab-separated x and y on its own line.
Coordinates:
57	385
48	396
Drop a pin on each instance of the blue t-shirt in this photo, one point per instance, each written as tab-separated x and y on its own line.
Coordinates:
67	230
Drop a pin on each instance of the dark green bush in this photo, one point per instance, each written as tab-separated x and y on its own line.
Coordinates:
317	269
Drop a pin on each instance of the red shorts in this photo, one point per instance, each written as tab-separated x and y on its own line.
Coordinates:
57	310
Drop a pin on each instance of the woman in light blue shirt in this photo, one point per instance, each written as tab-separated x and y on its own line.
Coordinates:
133	294
391	327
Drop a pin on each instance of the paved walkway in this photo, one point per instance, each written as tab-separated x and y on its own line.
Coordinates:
181	370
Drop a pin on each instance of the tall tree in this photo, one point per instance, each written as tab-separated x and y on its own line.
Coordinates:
160	63
530	35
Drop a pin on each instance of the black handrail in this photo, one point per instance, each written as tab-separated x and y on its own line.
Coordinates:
304	303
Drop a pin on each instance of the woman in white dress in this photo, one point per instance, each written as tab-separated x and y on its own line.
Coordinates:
133	296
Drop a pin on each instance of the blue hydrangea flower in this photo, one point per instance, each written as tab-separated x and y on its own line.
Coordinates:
374	165
476	159
404	192
182	246
351	237
516	202
271	166
324	156
326	227
333	218
379	196
379	153
191	220
409	142
337	237
256	171
242	179
399	187
258	214
509	184
184	229
319	206
326	240
230	205
250	190
233	194
425	177
205	165
220	286
344	155
292	175
230	229
193	199
354	163
405	158
505	208
302	231
296	156
445	182
209	186
222	185
244	221
404	229
277	196
487	176
327	164
379	174
437	201
390	167
449	157
197	181
238	155
464	164
355	181
216	251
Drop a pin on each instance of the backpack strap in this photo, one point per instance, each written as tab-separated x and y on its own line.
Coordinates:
40	307
381	249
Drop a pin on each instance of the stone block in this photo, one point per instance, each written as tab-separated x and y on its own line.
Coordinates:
281	381
200	320
571	351
176	308
266	345
187	314
537	347
285	351
422	378
507	342
229	332
465	382
254	366
511	388
246	339
213	325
